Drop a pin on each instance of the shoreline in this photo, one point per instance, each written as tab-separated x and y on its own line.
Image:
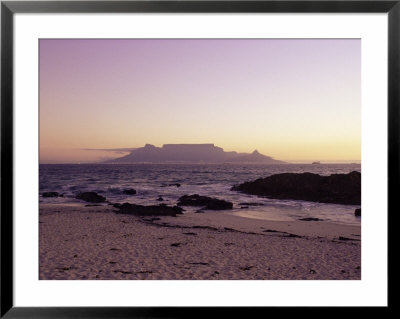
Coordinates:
80	242
239	221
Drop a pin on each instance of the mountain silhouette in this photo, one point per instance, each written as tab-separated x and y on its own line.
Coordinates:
190	153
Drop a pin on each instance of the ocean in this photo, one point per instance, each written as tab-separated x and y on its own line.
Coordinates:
152	181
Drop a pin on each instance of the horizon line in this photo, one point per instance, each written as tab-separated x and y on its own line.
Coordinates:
227	163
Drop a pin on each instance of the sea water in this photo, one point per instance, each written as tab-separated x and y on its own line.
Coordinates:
152	181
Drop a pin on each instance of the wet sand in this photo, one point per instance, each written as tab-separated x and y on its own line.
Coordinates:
79	242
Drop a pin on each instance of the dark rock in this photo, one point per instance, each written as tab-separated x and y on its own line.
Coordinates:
176	184
357	212
176	244
51	194
251	204
311	219
292	236
336	188
344	238
151	219
145	272
246	268
91	197
205	202
153	210
204	227
160	199
123	272
129	191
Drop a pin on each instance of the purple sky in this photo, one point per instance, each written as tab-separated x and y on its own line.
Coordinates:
290	99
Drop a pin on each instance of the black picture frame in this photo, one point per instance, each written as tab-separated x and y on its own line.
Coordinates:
9	8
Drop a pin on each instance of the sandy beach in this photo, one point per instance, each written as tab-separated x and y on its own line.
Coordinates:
92	242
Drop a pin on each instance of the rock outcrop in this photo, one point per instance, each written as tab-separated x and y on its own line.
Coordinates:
205	202
91	197
152	210
336	188
51	194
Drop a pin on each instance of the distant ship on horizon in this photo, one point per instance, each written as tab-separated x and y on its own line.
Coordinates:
190	153
317	162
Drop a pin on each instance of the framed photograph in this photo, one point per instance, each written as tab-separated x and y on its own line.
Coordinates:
158	156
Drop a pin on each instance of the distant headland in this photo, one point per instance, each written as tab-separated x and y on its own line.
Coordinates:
191	153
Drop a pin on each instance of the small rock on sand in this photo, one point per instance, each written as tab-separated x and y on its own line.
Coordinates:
152	210
91	197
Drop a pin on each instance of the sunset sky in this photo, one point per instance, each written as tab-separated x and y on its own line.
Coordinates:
294	100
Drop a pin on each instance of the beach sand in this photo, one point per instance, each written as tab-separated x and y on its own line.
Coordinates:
94	243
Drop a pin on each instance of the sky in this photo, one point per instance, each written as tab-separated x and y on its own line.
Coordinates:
296	100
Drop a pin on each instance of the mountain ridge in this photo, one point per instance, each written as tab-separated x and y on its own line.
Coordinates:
190	153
